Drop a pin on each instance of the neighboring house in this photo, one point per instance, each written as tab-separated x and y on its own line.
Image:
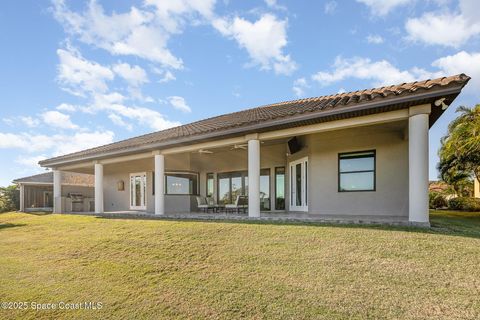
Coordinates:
347	155
442	188
77	193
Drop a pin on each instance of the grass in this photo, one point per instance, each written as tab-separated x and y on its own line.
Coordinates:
227	270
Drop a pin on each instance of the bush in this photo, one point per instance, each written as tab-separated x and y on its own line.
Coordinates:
9	199
437	200
464	204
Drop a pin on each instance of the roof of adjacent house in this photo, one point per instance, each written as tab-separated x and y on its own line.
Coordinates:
283	115
68	178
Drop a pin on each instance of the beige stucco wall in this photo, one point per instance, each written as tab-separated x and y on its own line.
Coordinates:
391	195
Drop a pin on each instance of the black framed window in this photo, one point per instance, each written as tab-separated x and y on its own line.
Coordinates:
356	171
280	188
210	184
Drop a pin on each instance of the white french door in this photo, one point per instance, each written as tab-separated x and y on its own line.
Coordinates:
299	185
138	191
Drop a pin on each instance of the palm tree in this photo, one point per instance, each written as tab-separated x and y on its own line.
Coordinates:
460	150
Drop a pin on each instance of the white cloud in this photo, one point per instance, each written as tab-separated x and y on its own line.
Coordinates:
330	7
58	120
274	5
380	72
263	39
383	72
383	7
450	29
67	107
78	75
116	119
134	75
167	77
179	103
30	161
30	121
139	32
113	103
57	144
375	39
299	87
462	62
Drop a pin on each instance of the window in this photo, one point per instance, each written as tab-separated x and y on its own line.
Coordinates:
265	189
356	171
181	183
280	188
210	184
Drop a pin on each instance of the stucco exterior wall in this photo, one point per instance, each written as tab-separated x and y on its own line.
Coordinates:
389	199
391	195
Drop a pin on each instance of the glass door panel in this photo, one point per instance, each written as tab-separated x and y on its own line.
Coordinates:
298	185
138	191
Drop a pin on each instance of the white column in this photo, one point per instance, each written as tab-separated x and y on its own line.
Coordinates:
98	188
254	178
22	198
159	184
57	191
418	167
476	188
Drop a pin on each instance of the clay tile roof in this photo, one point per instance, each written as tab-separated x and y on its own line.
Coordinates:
315	107
68	178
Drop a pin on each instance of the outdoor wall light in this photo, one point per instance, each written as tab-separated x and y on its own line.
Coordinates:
120	185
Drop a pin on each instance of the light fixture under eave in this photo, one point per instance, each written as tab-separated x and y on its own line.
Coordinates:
441	102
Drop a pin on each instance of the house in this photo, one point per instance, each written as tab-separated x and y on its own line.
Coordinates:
36	192
356	155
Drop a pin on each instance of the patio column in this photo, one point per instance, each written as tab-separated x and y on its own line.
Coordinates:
159	184
418	164
254	178
57	191
22	198
98	188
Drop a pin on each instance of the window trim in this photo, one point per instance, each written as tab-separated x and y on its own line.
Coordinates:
374	154
206	184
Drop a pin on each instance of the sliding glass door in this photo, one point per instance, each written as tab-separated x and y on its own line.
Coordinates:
233	184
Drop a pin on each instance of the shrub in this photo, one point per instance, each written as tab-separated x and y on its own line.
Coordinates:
439	202
9	199
464	204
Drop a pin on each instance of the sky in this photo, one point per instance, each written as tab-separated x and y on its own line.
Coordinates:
78	74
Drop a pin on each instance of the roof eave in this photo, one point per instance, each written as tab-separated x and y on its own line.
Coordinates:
265	126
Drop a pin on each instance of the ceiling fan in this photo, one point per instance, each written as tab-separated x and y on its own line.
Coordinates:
239	146
203	151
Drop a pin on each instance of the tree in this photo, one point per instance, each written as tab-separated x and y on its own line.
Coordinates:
9	198
460	150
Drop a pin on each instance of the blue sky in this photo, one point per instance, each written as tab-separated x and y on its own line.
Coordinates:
79	74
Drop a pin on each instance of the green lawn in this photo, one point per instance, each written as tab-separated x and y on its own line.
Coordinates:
227	270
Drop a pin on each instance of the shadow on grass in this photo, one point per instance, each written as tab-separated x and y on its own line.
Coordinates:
11	225
38	213
449	223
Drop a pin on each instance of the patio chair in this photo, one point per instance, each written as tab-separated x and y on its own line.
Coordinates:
241	203
203	204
